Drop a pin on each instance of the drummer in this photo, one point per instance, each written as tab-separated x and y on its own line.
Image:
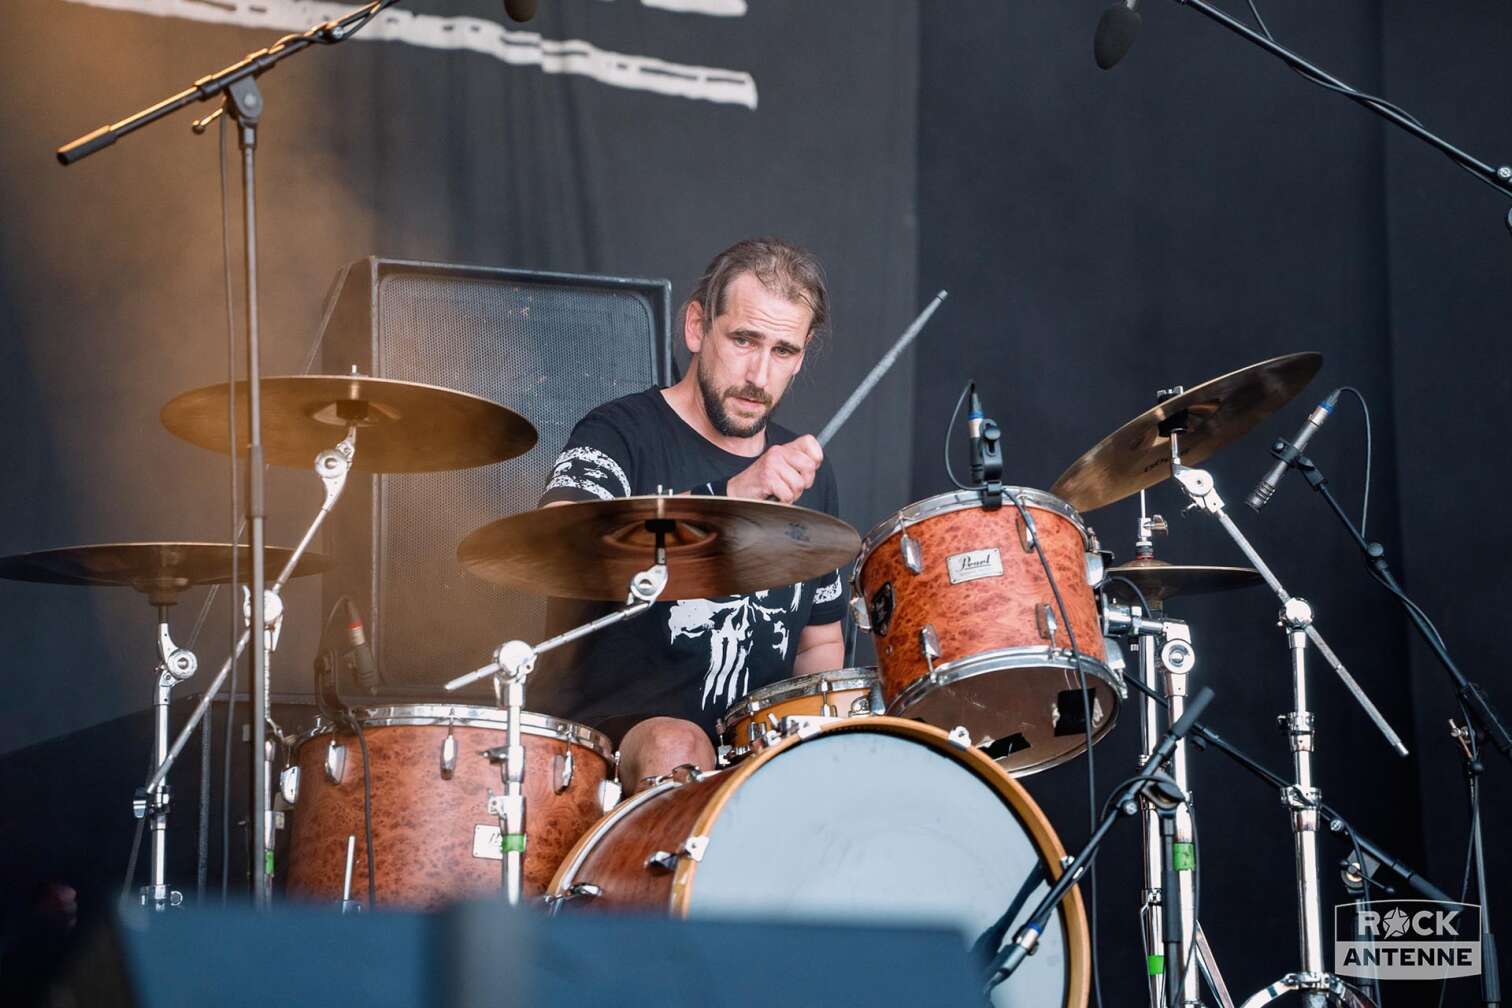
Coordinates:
657	683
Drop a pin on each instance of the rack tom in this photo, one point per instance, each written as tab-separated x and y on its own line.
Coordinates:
434	838
761	714
968	631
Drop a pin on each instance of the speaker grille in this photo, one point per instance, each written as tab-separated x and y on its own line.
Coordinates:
549	351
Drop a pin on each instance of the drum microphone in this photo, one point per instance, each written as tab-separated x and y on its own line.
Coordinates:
1266	488
361	654
520	10
1116	30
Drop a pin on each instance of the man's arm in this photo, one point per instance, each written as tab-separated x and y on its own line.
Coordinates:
821	648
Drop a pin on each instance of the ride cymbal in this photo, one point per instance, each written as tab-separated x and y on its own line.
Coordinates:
1138	454
1158	580
149	566
715	546
402	427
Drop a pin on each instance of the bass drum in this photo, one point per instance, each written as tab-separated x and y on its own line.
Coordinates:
867	820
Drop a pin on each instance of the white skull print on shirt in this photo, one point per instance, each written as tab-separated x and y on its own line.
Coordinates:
691	658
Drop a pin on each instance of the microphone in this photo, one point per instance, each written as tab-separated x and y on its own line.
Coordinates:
1266	488
1115	33
974	431
520	10
361	654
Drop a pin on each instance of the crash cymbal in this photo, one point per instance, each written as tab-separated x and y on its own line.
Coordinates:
1138	454
1159	580
401	426
716	546
153	567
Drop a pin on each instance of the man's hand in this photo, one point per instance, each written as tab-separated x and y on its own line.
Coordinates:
782	472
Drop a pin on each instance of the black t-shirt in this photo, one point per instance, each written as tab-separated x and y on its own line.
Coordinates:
689	659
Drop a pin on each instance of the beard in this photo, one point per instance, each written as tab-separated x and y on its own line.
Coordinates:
714	406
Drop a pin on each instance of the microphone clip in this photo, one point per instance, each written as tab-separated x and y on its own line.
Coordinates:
992	465
1291	456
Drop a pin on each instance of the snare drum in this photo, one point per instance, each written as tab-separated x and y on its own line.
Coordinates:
849	692
876	820
434	839
969	633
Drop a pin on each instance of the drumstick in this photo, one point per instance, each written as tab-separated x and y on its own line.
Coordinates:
883	366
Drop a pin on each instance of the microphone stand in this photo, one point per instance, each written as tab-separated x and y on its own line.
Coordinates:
1482	719
243	102
1203	736
1499	178
1026	939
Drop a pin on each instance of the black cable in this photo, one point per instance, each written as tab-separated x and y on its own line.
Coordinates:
1364	99
235	582
950	470
367	813
1369	451
1081	677
1143	605
345	719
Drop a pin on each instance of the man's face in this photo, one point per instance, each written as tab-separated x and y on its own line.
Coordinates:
749	355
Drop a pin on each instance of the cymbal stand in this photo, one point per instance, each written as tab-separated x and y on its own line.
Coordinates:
332	466
513	662
174	665
1302	798
1166	644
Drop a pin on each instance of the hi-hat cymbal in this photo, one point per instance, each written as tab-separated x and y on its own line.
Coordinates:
715	546
1138	454
401	426
153	567
1158	580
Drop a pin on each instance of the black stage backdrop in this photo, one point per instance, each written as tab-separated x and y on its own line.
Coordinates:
631	138
1198	209
1102	235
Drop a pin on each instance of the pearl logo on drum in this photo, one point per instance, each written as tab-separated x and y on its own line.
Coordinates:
974	565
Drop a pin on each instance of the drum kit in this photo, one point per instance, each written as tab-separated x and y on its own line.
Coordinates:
887	792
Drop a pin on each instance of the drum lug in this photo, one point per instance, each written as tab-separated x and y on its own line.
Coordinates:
335	762
826	709
913	556
576	891
693	849
960	737
1026	534
288	784
858	610
561	778
609	792
1044	616
448	755
929	644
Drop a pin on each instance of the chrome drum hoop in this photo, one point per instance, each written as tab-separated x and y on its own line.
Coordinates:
464	716
962	500
1004	660
858	677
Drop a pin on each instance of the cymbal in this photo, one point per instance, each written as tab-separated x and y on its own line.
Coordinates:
1159	580
402	426
1138	455
716	546
154	567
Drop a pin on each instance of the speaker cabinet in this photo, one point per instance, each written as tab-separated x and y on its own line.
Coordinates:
550	346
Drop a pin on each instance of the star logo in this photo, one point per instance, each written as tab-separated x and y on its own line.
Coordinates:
1395	923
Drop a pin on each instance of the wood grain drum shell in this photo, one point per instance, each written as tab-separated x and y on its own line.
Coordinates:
968	630
430	828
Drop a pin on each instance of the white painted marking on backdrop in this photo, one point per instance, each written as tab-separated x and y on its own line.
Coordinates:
714	8
488	38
